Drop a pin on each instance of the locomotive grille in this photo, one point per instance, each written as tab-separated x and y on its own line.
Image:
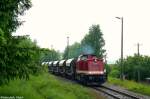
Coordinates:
93	66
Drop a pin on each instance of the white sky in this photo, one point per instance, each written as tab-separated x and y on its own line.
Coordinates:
51	21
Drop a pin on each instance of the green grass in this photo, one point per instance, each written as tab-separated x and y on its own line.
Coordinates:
45	86
131	85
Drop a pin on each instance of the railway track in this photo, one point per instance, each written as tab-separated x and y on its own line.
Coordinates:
116	94
111	92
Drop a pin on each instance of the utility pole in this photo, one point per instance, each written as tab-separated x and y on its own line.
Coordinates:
122	67
67	47
51	52
138	50
138	53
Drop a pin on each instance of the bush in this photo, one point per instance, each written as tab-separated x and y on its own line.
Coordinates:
18	60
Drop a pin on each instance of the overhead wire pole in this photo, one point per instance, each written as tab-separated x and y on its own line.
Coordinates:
138	49
52	52
138	53
122	67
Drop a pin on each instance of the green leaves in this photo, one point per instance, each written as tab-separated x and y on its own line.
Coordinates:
18	60
136	67
19	56
95	40
92	43
2	38
9	11
49	55
74	51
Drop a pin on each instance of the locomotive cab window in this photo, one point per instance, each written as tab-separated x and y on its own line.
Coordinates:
83	57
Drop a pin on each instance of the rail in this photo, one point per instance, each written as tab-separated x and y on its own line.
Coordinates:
117	94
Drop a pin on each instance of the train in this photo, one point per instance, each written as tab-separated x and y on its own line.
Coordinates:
86	69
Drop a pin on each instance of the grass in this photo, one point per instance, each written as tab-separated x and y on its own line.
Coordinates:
44	86
131	85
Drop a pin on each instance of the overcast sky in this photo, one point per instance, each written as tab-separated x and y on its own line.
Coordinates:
51	21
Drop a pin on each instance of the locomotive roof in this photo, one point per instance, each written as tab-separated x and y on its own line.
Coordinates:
87	55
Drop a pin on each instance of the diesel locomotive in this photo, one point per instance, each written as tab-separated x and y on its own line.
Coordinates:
87	69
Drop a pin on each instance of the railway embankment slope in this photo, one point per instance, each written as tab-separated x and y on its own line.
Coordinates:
44	86
131	87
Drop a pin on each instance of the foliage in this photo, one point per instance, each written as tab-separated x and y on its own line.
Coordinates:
108	69
115	71
131	85
94	41
19	56
9	11
74	51
19	59
135	67
2	38
45	86
49	55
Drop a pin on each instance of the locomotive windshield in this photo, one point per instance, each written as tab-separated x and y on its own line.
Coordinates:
85	57
82	57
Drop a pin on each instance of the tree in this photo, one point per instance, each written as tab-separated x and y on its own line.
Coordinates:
74	51
9	12
17	58
136	67
93	42
2	38
49	55
115	71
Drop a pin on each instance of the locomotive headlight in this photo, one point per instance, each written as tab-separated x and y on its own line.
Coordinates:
101	72
90	72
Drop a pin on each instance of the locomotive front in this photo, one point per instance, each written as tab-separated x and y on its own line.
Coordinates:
90	69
